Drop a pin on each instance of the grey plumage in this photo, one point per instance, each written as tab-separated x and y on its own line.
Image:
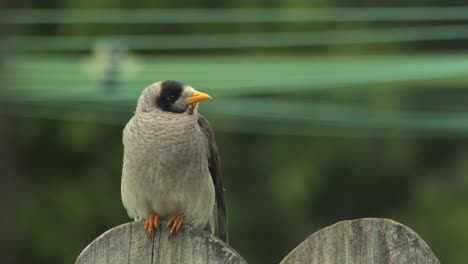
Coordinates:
171	164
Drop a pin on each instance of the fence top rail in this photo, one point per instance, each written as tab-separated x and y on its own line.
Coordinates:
366	240
128	243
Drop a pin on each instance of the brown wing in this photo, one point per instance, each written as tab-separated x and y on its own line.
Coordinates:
214	165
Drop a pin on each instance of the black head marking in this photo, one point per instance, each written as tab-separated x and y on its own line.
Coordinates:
170	93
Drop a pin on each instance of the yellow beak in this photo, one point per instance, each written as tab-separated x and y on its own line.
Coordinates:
197	97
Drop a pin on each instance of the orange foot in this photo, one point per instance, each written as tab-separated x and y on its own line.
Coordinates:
174	224
151	223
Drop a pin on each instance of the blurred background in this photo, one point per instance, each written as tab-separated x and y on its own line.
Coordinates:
323	111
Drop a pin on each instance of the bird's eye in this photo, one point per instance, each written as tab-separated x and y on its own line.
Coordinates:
171	98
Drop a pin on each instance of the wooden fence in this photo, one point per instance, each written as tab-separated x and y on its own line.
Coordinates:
367	240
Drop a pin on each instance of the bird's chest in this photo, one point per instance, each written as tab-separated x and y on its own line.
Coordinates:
180	148
169	153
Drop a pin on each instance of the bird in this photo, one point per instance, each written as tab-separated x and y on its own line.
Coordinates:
171	167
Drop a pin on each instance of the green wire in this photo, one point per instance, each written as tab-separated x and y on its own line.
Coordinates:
241	15
244	40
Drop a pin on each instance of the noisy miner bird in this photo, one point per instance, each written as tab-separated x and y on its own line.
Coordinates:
171	167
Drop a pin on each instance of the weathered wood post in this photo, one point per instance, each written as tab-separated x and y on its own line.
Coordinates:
367	240
361	241
129	243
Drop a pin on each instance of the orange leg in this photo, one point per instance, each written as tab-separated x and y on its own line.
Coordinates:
151	223
174	224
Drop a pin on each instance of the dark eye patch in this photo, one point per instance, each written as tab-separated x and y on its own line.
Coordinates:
170	92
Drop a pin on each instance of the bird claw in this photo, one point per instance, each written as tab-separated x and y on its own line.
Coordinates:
174	224
151	223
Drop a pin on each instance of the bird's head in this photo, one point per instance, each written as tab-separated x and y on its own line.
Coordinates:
170	96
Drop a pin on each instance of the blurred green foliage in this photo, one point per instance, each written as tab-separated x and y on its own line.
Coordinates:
354	113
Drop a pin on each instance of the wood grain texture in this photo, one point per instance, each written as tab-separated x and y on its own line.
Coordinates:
367	240
128	243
